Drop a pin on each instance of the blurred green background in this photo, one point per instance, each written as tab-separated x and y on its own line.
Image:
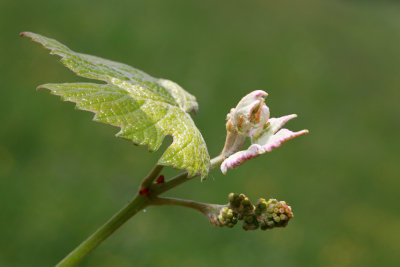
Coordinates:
335	63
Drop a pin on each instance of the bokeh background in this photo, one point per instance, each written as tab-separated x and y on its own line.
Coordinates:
334	63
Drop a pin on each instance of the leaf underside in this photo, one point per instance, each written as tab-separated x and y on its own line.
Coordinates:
145	108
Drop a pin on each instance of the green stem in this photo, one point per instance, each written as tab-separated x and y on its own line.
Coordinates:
136	205
73	258
204	208
149	179
182	178
211	211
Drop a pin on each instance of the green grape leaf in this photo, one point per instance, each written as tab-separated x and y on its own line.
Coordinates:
145	108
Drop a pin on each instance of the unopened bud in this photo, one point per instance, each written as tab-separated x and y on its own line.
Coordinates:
235	200
245	120
261	206
250	222
250	114
227	217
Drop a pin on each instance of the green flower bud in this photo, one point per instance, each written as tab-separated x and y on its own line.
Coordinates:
230	225
263	225
247	207
284	217
261	206
232	197
277	219
250	222
234	200
247	204
270	209
227	217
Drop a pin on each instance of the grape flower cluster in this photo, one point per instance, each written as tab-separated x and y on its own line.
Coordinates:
264	215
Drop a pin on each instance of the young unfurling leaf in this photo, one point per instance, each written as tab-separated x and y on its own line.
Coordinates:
265	132
145	108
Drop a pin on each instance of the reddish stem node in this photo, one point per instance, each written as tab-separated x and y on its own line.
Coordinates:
144	191
160	179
